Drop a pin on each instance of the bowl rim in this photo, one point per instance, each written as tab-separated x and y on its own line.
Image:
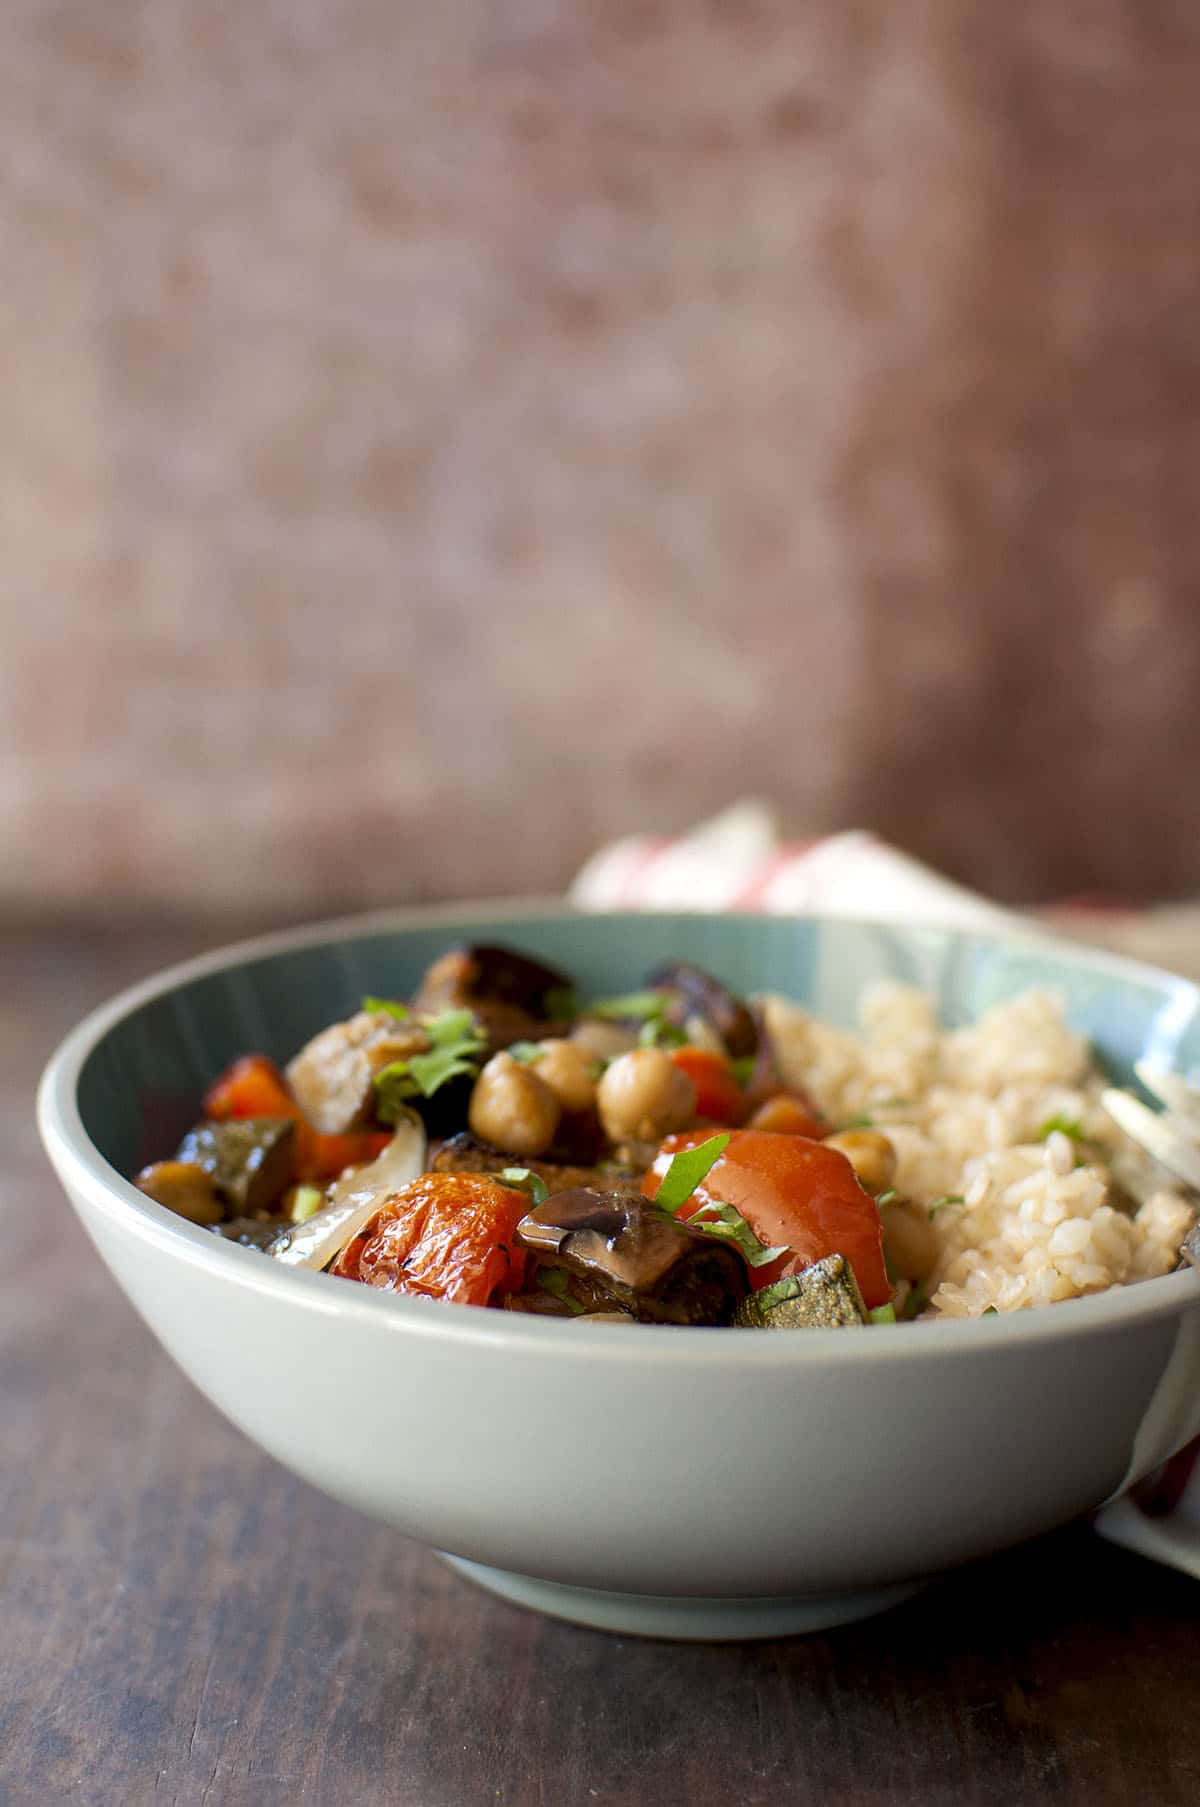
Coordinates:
81	1166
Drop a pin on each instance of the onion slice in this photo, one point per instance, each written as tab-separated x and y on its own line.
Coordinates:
354	1199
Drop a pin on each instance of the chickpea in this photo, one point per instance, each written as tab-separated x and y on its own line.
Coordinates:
184	1188
512	1108
910	1241
567	1070
643	1097
871	1155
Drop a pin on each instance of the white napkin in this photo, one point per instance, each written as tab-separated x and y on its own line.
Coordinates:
737	861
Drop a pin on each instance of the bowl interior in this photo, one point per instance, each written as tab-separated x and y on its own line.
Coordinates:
140	1083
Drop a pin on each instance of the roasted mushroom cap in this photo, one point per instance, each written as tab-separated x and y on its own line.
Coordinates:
638	1257
511	995
698	993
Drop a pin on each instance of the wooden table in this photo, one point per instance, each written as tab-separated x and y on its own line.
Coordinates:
182	1621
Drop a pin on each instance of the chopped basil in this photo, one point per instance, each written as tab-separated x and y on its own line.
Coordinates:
886	1198
743	1068
915	1303
557	1282
779	1292
385	1007
656	1032
456	1041
526	1052
687	1169
1063	1126
947	1198
523	1179
641	1005
560	1004
727	1221
859	1123
306	1202
882	1314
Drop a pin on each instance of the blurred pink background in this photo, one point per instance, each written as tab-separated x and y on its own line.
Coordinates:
435	440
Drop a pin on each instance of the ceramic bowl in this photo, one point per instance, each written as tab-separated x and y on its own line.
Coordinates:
677	1482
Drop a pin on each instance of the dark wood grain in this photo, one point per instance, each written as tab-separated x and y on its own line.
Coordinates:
182	1622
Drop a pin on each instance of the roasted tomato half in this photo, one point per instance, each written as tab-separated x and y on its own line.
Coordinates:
444	1236
794	1193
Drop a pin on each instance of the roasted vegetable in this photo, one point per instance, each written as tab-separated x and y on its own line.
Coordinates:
333	1075
696	993
249	1159
353	1199
447	1236
464	1154
793	1193
639	1257
821	1297
513	997
184	1188
719	1097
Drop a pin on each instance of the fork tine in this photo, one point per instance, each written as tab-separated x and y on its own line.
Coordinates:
1156	1134
1175	1092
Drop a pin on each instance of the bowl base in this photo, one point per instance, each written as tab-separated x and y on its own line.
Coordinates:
682	1616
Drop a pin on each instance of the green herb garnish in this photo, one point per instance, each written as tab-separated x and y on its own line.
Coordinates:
385	1007
632	1005
1063	1126
524	1179
557	1282
859	1123
882	1314
885	1198
947	1198
656	1032
306	1202
560	1004
779	1292
915	1303
989	1311
687	1169
456	1041
526	1052
743	1068
726	1221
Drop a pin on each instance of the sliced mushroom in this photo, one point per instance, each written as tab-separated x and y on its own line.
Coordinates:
698	994
513	997
248	1159
642	1260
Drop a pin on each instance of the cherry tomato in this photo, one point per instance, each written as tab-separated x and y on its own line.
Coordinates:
719	1097
787	1115
444	1236
794	1193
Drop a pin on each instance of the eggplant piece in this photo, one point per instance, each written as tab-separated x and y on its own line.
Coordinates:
824	1296
511	996
698	993
250	1232
464	1153
249	1160
637	1257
